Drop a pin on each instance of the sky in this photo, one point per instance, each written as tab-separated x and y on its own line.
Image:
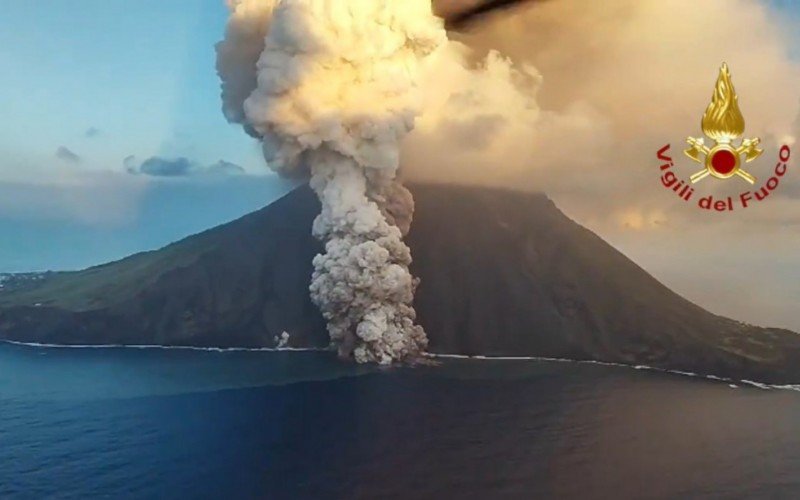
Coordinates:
107	79
112	139
89	92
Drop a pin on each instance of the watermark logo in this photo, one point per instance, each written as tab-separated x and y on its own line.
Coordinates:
722	123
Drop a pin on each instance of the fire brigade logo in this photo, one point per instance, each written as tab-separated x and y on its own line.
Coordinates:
724	124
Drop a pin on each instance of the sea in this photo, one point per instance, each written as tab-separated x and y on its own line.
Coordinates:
83	423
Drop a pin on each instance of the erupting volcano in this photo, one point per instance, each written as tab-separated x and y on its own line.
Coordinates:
335	92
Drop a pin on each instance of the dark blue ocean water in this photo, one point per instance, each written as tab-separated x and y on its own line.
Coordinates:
125	423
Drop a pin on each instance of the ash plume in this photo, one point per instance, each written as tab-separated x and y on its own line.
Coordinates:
331	89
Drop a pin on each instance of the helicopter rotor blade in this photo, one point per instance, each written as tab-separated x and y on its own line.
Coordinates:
459	21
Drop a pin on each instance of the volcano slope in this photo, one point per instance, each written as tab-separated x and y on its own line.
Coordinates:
503	273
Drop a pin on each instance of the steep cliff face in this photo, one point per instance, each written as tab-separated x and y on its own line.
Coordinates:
502	273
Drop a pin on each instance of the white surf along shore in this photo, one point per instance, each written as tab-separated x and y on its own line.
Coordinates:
731	382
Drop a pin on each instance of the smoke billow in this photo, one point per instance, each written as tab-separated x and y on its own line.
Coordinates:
331	89
620	78
238	53
320	83
576	95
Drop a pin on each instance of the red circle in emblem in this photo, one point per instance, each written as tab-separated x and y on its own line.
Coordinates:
723	161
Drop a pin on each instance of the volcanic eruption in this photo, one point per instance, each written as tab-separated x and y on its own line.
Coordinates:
331	89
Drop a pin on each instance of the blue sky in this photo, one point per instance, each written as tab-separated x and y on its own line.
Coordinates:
141	74
106	80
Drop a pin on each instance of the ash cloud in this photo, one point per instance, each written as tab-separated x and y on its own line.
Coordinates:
331	90
573	98
582	94
238	53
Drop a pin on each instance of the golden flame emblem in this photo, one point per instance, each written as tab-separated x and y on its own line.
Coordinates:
723	122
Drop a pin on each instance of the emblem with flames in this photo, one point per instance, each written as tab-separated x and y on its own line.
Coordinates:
723	122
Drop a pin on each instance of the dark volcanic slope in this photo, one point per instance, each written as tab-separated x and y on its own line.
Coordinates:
239	284
502	274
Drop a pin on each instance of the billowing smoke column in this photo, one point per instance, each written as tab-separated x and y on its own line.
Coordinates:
330	88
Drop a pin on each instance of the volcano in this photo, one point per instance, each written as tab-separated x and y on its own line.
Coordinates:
502	274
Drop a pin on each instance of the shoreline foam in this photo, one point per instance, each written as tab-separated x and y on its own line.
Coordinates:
715	378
